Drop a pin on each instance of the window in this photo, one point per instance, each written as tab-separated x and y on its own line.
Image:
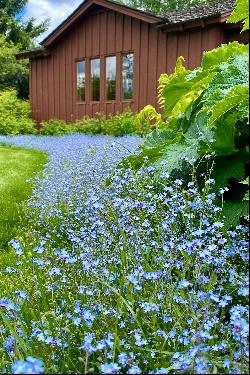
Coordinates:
111	78
81	75
95	79
128	75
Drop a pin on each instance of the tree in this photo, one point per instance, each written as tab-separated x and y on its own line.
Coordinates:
163	6
16	35
14	29
13	72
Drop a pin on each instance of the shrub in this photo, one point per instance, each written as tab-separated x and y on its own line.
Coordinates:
88	125
208	115
14	115
55	127
120	124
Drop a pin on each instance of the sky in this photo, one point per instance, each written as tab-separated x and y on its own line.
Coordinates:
56	10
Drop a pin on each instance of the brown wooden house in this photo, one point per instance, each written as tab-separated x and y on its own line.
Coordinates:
106	56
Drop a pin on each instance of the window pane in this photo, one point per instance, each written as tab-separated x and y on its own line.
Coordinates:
111	77
128	75
95	79
81	74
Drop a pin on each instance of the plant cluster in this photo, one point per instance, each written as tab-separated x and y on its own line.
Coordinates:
137	277
118	125
207	115
14	115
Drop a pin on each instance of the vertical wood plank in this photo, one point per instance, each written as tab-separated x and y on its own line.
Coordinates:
171	52
143	65
136	47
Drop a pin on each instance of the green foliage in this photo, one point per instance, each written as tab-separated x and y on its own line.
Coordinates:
16	35
207	111
14	115
117	125
163	6
55	127
241	14
22	34
12	71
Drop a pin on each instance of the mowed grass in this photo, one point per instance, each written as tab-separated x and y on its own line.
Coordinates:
17	165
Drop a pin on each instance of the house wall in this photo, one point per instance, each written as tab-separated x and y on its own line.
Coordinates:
53	78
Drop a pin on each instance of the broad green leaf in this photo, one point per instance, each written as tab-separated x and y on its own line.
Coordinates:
228	167
232	100
174	155
233	211
241	14
221	54
158	138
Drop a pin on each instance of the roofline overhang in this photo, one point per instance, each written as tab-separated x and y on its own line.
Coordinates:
32	54
84	7
201	22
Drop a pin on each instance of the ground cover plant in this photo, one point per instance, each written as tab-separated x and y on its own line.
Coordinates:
17	166
141	277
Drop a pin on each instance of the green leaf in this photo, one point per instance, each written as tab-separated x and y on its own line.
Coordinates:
236	98
241	14
158	138
233	211
222	54
227	167
174	155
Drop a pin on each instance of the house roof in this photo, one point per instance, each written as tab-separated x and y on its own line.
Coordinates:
168	20
199	12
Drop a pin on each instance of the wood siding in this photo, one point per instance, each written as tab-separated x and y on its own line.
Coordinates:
104	33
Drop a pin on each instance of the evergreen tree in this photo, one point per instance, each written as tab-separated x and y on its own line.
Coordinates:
14	29
16	35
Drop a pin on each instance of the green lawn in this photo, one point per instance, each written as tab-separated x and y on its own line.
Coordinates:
16	167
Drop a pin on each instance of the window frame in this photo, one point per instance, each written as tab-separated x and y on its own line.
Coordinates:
78	60
119	78
106	100
130	52
90	79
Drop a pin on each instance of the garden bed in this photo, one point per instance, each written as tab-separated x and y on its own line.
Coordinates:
120	273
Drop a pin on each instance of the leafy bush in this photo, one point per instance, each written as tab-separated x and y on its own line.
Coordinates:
55	127
207	111
88	125
117	125
120	124
14	115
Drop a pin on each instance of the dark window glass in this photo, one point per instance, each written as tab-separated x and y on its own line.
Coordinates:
81	75
111	78
128	75
95	79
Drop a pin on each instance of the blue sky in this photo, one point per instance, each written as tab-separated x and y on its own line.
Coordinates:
56	10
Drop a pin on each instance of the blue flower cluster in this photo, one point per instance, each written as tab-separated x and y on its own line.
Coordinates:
122	272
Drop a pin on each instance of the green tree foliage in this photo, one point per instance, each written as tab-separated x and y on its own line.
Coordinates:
13	72
207	124
16	35
162	6
241	13
14	29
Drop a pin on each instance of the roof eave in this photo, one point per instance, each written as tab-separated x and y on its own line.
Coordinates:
201	22
31	54
83	8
